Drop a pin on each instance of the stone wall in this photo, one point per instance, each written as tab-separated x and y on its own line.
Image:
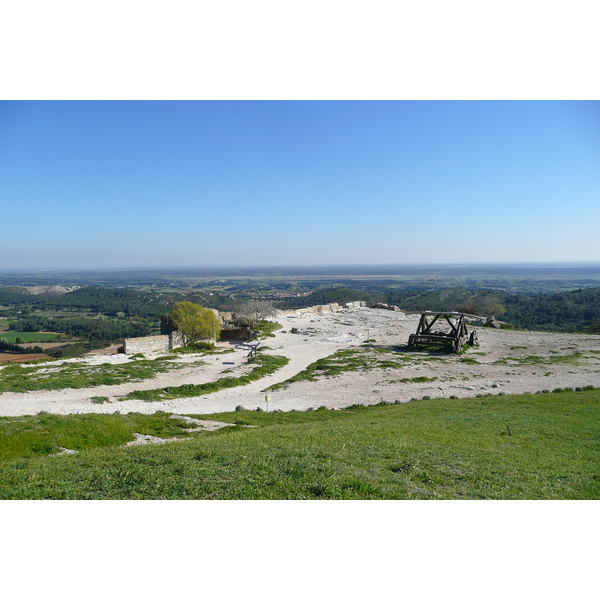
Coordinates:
153	343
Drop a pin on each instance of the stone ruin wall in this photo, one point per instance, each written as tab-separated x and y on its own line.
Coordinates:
153	343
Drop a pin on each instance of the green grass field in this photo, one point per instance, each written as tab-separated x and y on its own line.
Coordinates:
28	337
533	446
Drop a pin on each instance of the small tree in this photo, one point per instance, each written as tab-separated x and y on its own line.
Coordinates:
254	311
195	322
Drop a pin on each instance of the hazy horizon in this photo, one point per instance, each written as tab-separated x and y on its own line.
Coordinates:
514	264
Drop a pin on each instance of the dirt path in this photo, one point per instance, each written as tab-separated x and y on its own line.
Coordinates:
505	362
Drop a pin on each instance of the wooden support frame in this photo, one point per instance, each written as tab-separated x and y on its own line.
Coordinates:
253	352
457	336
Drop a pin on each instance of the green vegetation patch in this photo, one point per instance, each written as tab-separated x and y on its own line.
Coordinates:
266	366
421	379
570	359
99	399
49	376
469	360
267	328
541	446
30	436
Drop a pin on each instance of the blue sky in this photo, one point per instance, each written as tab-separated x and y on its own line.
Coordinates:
88	184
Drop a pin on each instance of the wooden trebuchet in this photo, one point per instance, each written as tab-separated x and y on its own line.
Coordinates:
457	336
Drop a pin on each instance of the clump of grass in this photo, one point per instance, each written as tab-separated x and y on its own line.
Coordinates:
267	328
571	359
469	360
99	399
421	379
267	365
418	379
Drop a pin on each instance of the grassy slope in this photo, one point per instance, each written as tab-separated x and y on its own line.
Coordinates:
420	450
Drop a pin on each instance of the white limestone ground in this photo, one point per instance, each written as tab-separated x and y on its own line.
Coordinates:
320	335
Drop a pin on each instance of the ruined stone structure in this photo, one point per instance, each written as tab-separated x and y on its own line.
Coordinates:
153	343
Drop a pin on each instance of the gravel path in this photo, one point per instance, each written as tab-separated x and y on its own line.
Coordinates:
504	366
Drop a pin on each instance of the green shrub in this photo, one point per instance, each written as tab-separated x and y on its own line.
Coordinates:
99	399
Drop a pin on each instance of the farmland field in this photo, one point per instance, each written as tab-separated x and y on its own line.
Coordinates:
28	337
6	358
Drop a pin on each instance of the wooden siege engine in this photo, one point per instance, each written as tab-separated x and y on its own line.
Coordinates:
457	336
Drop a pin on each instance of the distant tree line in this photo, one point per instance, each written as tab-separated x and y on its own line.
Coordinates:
112	302
88	328
6	346
578	310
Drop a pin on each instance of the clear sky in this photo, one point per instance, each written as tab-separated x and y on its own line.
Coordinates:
88	184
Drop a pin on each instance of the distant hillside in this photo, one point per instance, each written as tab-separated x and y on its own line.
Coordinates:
471	301
567	311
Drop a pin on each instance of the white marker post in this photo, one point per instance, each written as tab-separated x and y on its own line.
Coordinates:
267	398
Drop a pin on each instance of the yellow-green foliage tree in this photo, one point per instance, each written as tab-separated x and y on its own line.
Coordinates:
195	322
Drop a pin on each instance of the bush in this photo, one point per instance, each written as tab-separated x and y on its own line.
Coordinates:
99	399
207	346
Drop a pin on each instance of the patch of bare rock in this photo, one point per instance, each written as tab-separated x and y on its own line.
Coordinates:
505	362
